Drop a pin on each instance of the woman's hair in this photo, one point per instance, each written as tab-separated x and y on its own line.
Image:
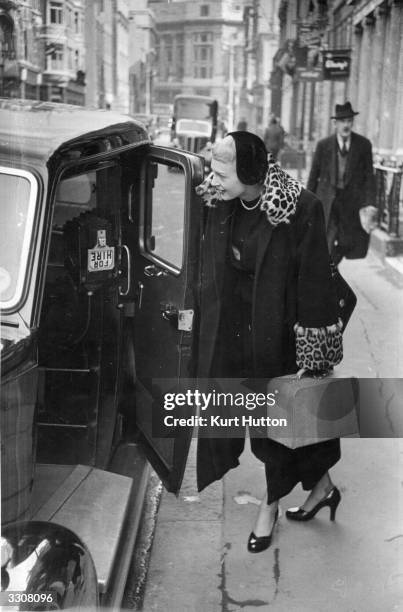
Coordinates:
251	157
224	150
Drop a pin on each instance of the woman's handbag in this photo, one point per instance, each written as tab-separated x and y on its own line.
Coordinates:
346	298
313	408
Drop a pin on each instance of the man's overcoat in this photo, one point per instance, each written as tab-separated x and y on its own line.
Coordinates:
292	283
359	188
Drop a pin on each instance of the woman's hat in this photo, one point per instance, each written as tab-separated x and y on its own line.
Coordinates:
251	157
344	111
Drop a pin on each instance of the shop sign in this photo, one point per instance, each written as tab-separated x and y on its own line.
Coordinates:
336	64
309	74
308	36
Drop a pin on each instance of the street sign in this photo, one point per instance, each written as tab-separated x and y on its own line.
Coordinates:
336	64
309	74
308	36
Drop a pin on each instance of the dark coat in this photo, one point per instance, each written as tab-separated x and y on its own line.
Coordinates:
292	283
274	138
359	190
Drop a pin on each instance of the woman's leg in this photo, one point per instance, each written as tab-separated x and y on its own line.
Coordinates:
314	462
266	518
319	491
261	536
322	492
281	477
286	467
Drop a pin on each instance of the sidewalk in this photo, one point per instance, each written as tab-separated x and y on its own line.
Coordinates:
200	563
199	560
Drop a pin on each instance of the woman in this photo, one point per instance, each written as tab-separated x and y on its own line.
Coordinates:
266	282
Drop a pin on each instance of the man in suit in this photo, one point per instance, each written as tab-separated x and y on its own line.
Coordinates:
342	178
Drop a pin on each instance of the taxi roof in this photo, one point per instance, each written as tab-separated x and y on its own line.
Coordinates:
32	129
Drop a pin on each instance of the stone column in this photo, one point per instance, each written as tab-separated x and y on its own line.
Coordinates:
363	81
389	80
375	76
398	120
355	63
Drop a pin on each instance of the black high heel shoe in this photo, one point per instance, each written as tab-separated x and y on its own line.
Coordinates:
332	500
258	544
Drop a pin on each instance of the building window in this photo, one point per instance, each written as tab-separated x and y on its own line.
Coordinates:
203	55
54	57
204	10
56	13
76	23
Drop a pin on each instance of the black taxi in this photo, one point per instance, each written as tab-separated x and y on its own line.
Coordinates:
98	289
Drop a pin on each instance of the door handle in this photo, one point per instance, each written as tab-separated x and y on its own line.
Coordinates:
169	312
127	251
154	271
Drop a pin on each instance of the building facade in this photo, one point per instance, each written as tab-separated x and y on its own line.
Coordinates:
367	35
71	51
142	56
21	57
376	82
262	32
63	51
120	54
107	54
200	50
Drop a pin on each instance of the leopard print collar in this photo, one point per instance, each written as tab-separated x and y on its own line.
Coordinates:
280	194
279	197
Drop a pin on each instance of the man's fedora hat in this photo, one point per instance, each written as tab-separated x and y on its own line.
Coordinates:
344	111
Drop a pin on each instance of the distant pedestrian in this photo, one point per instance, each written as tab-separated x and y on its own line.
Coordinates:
242	125
274	137
342	177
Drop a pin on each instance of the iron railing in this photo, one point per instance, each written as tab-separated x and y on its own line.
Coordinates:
388	180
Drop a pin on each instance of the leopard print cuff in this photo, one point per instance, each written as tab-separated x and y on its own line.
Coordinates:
319	348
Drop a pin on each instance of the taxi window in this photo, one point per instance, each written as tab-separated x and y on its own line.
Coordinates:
18	190
167	214
74	196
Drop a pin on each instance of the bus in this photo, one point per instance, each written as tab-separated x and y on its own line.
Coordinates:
194	123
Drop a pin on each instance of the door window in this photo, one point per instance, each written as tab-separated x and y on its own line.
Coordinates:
165	238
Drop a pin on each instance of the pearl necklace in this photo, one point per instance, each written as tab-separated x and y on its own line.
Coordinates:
251	207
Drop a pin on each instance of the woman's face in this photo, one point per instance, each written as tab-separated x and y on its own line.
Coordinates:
225	179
